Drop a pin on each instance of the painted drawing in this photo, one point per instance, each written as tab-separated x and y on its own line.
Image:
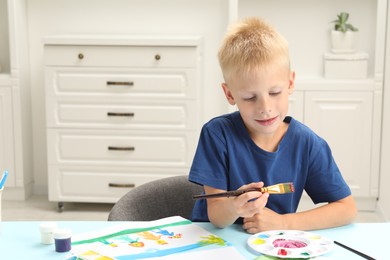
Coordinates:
137	240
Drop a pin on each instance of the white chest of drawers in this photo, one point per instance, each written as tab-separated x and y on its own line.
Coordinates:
121	111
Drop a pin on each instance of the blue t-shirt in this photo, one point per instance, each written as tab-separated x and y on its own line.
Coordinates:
226	158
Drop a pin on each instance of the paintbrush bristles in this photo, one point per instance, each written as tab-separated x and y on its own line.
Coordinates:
279	188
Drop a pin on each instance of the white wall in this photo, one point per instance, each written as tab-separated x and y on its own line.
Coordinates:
306	24
185	17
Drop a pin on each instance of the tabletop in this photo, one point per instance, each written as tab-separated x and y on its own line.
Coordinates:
21	239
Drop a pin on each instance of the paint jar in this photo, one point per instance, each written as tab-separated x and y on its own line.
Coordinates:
47	229
62	240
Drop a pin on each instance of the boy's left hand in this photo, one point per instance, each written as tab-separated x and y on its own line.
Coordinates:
265	219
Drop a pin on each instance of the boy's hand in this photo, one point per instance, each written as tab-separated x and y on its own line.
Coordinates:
249	203
225	211
265	219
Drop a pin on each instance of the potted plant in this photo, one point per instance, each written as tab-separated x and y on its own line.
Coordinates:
343	35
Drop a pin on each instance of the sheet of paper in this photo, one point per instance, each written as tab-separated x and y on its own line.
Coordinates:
168	237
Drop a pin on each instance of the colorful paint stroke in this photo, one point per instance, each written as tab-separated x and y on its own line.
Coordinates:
289	244
137	240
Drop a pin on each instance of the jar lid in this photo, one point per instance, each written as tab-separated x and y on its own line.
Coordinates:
62	233
48	226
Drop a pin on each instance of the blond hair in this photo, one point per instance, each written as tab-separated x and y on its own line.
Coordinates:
252	44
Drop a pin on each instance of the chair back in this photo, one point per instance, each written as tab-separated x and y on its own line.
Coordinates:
157	199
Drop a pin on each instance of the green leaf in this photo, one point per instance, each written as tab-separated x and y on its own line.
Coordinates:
351	28
341	23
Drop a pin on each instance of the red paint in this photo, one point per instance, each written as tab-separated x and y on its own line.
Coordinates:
282	252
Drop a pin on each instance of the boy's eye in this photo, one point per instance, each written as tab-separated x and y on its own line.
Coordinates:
250	98
274	93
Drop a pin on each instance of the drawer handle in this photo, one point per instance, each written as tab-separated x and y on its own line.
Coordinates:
116	148
157	57
120	83
120	114
124	185
81	56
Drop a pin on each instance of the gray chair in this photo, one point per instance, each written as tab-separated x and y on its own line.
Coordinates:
161	198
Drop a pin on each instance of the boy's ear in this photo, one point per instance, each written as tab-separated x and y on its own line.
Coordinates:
228	94
291	85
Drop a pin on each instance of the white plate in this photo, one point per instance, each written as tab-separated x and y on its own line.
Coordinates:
290	244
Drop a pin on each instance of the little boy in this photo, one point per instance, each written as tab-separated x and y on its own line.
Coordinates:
259	145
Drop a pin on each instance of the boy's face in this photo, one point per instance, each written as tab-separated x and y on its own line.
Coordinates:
262	98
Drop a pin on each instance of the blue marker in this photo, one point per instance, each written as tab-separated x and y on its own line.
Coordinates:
2	181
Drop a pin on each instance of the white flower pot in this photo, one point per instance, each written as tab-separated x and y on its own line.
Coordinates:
343	42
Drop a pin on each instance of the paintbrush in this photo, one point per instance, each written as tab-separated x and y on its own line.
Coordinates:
354	251
280	188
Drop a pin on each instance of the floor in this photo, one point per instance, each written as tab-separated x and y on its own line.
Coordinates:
37	208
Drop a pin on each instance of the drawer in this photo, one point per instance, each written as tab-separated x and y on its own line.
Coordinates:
121	56
179	83
147	148
146	115
108	185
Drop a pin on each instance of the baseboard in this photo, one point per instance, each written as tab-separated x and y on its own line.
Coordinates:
17	193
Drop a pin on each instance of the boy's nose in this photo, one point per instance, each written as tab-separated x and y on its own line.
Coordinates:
264	106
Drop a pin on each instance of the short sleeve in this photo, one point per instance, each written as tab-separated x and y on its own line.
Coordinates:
209	166
325	182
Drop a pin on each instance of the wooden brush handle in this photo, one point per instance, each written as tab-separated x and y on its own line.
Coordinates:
226	194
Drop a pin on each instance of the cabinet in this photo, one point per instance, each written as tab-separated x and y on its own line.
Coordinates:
345	115
121	111
15	105
344	120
